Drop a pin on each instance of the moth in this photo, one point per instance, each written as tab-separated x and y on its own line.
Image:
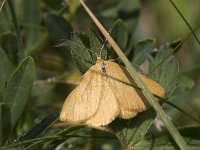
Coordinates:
107	91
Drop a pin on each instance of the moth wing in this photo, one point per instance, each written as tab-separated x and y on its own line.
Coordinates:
153	86
130	99
83	101
108	108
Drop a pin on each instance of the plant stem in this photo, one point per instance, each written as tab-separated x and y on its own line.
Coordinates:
151	99
186	22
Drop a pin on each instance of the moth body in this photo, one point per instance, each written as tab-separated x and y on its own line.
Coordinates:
106	91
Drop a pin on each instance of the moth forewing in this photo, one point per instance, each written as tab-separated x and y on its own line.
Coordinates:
83	101
105	92
108	108
126	95
153	86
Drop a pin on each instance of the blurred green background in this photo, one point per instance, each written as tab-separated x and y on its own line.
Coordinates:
46	24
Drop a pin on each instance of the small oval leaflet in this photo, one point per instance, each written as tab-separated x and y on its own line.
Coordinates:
107	91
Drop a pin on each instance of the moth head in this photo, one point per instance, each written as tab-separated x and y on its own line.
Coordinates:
103	66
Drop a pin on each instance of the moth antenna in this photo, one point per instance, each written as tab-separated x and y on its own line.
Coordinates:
105	42
116	59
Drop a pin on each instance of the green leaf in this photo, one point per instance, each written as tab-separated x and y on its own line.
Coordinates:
69	131
183	99
166	72
40	127
132	131
85	48
94	46
81	53
127	10
119	33
59	30
31	17
10	49
164	141
5	69
19	87
142	49
5	123
21	53
72	137
184	83
5	18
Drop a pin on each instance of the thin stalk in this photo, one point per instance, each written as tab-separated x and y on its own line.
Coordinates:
186	22
183	111
21	53
176	48
151	99
56	137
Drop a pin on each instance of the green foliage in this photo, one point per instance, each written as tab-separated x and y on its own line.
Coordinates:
165	72
164	140
59	29
142	49
119	33
18	88
81	53
5	68
33	87
5	122
31	17
130	132
10	49
126	10
15	88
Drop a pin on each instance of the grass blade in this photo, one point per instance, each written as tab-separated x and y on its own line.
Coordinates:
21	53
186	22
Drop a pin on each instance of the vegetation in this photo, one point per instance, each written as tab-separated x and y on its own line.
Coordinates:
46	46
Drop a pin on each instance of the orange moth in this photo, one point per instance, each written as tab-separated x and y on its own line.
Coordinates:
106	91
